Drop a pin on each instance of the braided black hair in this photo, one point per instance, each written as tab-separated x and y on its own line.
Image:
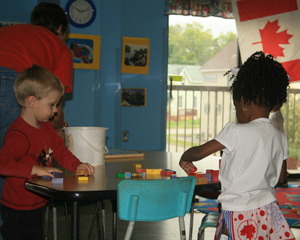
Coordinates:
261	80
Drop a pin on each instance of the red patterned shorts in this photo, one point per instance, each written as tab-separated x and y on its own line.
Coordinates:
266	222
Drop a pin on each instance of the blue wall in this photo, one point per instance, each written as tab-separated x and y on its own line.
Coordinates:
95	100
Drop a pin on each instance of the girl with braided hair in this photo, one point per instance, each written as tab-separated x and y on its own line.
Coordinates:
254	153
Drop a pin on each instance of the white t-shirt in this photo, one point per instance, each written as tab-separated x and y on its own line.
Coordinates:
251	164
277	120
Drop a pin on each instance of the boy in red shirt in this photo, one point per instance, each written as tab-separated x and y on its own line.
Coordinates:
31	135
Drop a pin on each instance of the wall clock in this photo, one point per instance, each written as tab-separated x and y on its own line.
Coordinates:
81	13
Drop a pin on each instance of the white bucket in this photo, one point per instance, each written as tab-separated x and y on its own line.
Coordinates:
87	143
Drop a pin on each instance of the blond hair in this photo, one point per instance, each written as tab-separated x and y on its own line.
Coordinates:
35	81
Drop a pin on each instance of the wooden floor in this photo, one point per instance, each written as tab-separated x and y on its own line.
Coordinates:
164	230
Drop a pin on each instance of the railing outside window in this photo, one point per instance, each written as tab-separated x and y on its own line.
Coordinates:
195	114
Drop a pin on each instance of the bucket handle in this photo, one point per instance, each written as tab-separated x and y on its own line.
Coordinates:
93	147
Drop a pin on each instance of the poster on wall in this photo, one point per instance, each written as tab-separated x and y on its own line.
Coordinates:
85	50
135	56
133	97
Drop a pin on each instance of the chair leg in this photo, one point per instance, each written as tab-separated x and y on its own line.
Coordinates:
54	222
101	221
67	219
191	220
46	220
129	230
114	212
182	228
201	234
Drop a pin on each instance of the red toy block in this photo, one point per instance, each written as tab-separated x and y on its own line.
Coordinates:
140	170
193	172
167	173
215	175
200	175
209	170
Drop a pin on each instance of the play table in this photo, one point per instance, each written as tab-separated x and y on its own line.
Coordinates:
103	184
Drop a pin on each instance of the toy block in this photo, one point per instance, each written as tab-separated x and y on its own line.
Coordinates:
56	174
200	175
170	170
201	181
215	175
167	173
208	176
209	170
137	166
120	175
46	177
83	179
142	174
140	170
127	174
82	172
57	180
153	171
295	210
173	176
193	172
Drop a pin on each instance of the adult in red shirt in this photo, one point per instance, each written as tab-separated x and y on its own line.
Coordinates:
23	45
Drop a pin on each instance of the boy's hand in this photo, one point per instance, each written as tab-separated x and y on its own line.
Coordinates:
44	171
188	167
86	166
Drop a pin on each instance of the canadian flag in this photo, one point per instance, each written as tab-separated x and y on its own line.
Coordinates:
271	26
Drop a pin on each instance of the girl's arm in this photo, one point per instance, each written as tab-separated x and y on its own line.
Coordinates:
282	176
198	153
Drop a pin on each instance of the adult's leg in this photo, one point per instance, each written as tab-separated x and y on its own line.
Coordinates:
9	109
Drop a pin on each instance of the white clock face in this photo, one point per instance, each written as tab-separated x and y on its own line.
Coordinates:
80	11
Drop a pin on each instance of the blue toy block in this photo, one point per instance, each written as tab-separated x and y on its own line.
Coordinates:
127	174
56	174
46	177
57	180
208	176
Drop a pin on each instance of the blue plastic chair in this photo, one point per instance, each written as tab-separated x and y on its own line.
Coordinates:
209	220
155	200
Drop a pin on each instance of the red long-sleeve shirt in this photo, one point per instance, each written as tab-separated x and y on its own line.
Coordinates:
22	45
25	146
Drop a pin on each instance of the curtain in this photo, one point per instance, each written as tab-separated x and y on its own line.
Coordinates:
200	8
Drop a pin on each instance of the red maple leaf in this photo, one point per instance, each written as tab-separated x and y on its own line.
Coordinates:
271	39
248	231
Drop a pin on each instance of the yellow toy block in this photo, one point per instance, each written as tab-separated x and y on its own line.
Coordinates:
137	166
153	171
83	179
